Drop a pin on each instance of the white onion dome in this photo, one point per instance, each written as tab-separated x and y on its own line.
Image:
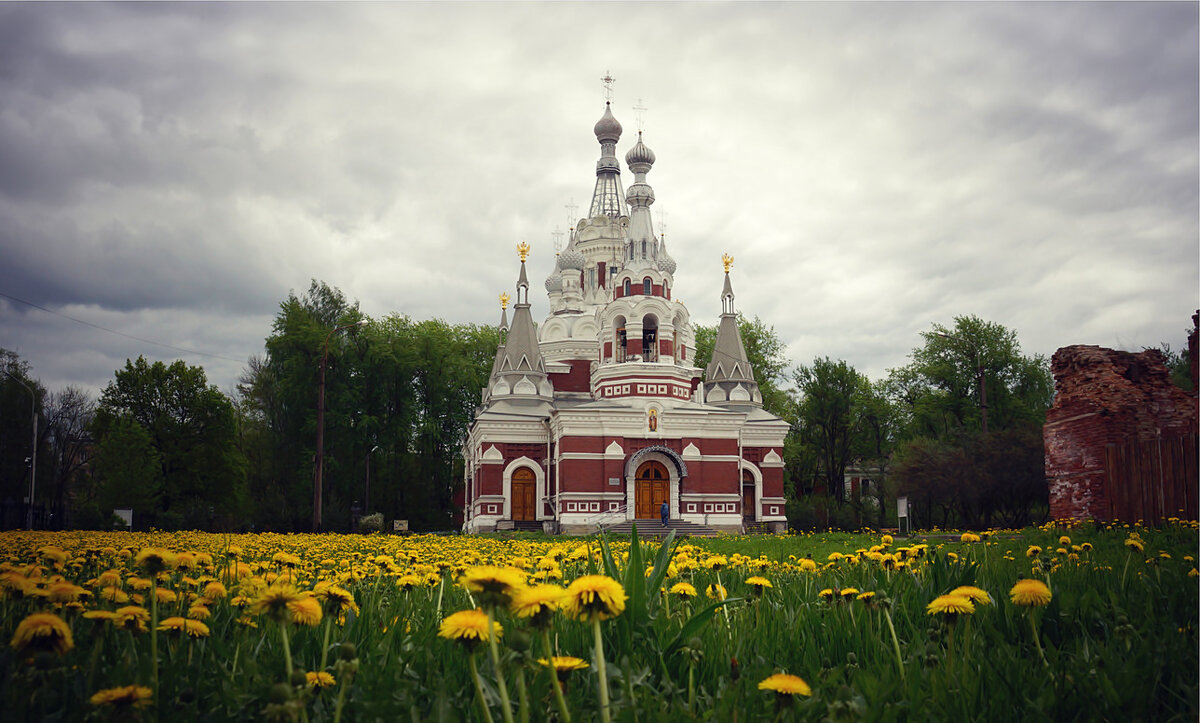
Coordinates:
570	258
554	281
608	129
665	262
639	155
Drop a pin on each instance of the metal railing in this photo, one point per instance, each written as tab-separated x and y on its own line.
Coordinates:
606	517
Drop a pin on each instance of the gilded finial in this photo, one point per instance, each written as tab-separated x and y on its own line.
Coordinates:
727	260
523	250
504	300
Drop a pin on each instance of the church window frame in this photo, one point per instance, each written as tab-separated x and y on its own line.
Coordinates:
647	286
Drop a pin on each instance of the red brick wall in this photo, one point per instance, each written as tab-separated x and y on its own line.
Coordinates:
579	379
1106	399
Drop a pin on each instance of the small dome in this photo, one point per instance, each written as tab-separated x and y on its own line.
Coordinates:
554	282
639	154
607	128
666	263
570	258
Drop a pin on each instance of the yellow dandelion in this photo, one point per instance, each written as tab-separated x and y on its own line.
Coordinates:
153	560
950	605
305	610
495	585
274	601
42	631
319	680
192	628
469	627
126	696
683	589
594	597
972	593
716	592
784	684
1030	593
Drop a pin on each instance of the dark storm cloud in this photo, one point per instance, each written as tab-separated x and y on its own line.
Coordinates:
177	169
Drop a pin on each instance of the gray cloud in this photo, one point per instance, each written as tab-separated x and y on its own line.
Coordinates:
173	170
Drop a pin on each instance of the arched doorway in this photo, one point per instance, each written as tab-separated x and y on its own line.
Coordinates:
524	494
652	487
749	504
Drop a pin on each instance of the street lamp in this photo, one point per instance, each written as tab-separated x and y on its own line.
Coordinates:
33	458
979	370
320	462
367	489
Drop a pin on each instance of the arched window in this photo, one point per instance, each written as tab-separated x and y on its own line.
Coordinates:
643	249
666	291
646	286
628	288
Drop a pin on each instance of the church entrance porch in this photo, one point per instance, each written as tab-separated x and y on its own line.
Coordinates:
652	487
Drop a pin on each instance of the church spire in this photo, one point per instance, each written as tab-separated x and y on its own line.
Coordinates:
729	378
608	199
519	371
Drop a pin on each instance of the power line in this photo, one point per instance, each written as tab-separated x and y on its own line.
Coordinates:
119	333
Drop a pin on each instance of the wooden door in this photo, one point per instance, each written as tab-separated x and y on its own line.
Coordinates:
652	487
524	497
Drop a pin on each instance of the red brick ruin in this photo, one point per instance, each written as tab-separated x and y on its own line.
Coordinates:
1120	438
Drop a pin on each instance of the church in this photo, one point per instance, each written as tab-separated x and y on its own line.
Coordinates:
599	415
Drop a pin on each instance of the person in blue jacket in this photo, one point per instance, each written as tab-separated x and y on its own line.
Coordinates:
666	512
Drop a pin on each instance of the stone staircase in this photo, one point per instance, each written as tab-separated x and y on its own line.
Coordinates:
655	529
757	528
527	526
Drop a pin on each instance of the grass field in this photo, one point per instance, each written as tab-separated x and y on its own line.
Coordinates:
1061	623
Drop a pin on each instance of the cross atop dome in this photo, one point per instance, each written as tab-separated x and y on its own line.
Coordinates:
608	81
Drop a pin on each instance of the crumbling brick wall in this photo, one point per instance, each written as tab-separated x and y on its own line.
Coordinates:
1113	413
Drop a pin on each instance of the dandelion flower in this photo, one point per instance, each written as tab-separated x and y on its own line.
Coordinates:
42	631
215	591
336	599
154	560
972	593
1033	551
1030	593
305	610
563	664
716	592
1135	544
759	582
495	585
827	594
784	684
469	627
848	592
274	601
594	597
192	628
808	565
538	602
950	605
886	539
683	589
127	696
319	680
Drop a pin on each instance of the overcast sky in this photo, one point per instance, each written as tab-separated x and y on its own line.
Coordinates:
173	171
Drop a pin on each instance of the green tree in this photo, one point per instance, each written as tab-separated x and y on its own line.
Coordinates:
21	399
831	416
946	461
400	393
130	470
193	431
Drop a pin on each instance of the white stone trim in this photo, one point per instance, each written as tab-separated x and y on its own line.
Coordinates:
672	489
756	473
